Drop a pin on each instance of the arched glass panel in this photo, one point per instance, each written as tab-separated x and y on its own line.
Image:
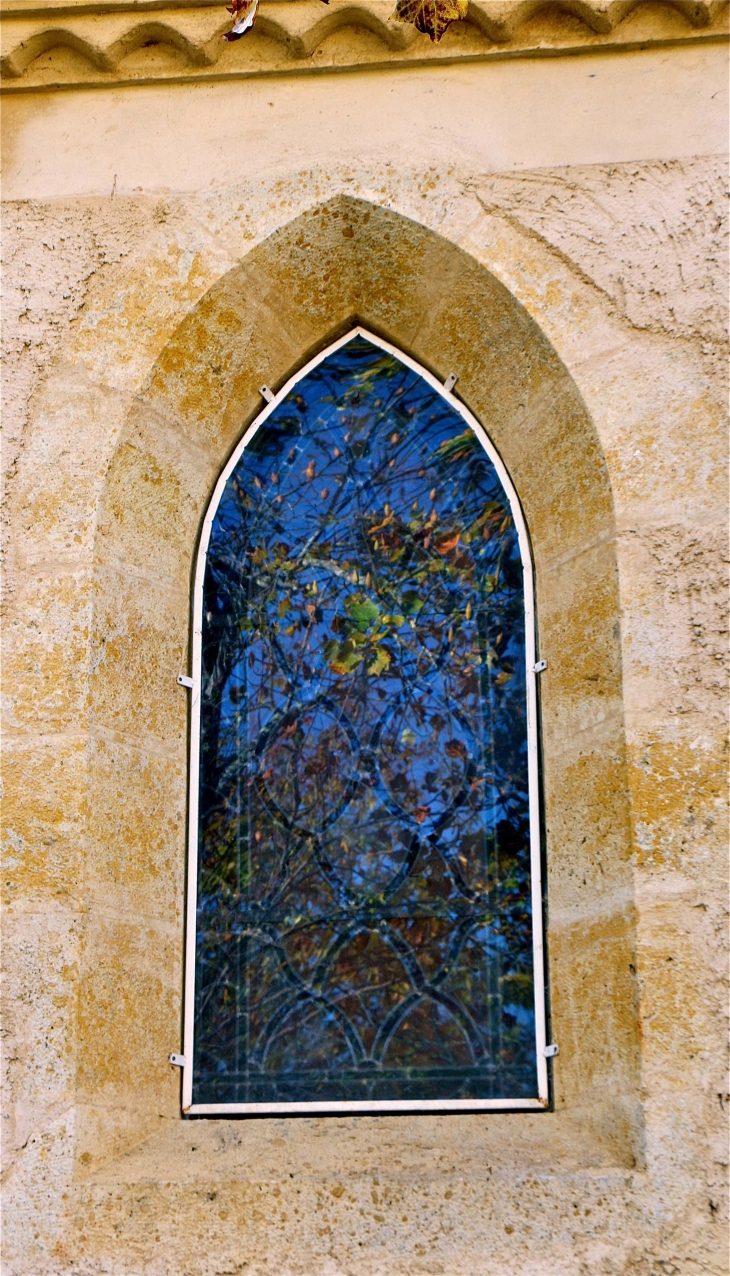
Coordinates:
363	804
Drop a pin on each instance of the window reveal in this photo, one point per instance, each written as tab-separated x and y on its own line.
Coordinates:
365	848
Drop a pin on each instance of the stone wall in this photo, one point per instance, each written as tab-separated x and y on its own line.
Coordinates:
569	267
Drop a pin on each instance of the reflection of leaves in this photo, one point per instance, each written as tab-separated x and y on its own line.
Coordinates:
520	988
431	16
457	448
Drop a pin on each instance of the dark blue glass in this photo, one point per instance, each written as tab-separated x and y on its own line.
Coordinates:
364	921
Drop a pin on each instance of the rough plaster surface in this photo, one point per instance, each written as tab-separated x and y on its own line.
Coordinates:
505	117
136	340
665	269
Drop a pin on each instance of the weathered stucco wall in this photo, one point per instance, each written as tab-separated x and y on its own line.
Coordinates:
578	291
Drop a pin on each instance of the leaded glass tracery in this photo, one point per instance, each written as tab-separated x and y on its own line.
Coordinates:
364	926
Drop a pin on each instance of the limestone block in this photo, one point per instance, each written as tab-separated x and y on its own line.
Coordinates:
47	634
136	832
44	817
138	645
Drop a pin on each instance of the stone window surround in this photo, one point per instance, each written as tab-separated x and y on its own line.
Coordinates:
309	283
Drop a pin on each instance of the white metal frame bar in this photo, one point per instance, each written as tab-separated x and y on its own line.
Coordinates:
451	1105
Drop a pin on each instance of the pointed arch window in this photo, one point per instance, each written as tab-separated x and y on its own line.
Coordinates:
364	920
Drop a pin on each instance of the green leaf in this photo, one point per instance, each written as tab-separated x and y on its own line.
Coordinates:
346	658
350	662
364	612
411	602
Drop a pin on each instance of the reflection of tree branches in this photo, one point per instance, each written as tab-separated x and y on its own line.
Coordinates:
312	570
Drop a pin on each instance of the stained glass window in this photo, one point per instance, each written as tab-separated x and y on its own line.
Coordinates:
364	790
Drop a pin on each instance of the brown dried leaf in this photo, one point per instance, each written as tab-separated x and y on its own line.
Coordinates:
444	544
433	17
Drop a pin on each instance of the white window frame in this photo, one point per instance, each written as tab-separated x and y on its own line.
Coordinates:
383	1105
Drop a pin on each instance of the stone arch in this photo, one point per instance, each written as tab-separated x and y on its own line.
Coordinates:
342	263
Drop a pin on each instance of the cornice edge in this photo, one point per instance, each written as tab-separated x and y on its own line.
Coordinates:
76	44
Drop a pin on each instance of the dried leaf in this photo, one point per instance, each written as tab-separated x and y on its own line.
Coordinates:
446	543
381	661
388	519
244	11
431	16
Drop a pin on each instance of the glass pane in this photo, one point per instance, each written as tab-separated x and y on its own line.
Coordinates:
364	927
